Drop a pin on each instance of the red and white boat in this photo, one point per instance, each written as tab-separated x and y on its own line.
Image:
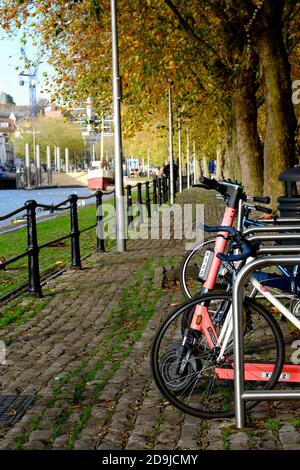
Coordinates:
99	177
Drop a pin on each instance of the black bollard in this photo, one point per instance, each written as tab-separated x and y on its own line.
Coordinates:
99	221
148	203
75	234
140	202
160	200
129	207
164	190
34	281
155	194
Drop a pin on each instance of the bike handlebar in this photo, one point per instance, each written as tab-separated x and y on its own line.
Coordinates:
207	183
220	228
246	252
262	199
247	248
266	210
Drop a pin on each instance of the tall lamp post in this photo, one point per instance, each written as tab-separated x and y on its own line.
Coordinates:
171	159
119	188
187	158
179	156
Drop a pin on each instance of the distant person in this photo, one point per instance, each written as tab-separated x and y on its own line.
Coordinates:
166	172
211	166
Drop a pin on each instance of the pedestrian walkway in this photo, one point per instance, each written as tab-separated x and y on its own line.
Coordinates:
83	350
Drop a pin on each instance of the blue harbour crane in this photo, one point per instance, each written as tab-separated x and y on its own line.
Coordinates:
32	74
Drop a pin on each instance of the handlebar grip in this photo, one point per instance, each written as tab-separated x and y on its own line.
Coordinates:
246	252
262	199
211	184
218	228
266	210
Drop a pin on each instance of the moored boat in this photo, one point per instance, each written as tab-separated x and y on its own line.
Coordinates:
99	177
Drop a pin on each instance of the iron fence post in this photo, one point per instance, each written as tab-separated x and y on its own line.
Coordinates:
34	281
140	202
99	221
155	194
164	188
75	233
129	207
148	204
159	192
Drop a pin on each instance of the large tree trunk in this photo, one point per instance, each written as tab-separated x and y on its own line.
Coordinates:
279	143
247	139
231	158
205	166
219	159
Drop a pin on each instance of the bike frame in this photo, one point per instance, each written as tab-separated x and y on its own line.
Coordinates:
220	246
253	371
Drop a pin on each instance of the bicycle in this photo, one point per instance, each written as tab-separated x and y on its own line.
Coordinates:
197	262
194	367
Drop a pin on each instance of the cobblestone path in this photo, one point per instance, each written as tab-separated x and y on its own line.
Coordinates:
83	350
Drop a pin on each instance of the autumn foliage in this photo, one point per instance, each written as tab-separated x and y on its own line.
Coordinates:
230	62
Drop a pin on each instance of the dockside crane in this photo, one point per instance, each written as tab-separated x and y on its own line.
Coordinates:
31	71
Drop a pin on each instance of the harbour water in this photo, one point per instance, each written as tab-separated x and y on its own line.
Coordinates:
12	199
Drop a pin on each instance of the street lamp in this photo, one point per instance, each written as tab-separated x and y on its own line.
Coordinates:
187	157
119	188
179	156
171	159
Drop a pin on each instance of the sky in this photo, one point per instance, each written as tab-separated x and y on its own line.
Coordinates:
9	79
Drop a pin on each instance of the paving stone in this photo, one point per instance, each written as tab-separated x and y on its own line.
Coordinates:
84	444
239	438
107	445
286	428
46	423
215	445
268	445
137	442
7	444
60	441
34	445
290	438
239	447
40	435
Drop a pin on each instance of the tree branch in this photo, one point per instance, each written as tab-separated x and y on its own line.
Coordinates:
190	31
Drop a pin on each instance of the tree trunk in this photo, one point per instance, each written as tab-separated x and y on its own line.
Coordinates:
230	158
279	144
219	158
205	166
247	138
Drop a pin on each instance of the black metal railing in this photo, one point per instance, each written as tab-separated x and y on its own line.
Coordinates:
146	197
156	193
33	246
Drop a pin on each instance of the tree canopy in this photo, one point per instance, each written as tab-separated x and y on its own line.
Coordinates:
48	131
5	98
229	63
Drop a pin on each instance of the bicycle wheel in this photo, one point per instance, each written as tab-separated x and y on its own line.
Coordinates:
190	282
186	370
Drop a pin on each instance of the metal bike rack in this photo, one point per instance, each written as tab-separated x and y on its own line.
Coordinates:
281	220
241	396
274	237
275	228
